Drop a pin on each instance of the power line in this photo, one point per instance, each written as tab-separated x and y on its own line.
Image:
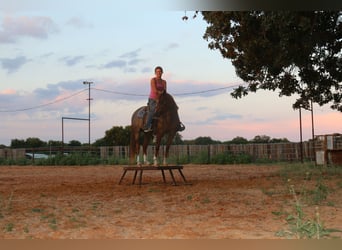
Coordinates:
175	94
117	93
43	105
206	91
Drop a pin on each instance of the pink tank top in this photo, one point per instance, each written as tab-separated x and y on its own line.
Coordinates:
159	86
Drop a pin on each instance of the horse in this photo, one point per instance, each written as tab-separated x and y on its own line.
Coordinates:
165	122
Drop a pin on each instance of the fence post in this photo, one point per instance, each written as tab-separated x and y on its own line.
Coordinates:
188	152
208	159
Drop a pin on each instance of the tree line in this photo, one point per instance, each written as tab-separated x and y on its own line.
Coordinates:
120	136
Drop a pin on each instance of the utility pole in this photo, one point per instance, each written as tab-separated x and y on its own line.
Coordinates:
313	132
301	134
89	99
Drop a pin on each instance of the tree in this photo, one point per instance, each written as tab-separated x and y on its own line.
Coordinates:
293	52
238	140
279	140
204	140
178	139
100	142
74	143
34	142
261	139
54	143
18	143
116	136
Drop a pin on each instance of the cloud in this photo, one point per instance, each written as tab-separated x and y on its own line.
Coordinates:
214	118
171	46
131	54
131	70
7	92
13	64
126	62
115	64
14	28
72	60
47	55
146	70
69	97
78	23
135	61
227	116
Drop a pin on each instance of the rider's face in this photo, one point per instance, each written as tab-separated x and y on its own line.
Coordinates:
158	73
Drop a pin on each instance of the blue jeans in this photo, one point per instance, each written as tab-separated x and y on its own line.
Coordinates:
152	104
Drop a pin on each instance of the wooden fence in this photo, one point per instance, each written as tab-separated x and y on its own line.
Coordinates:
186	153
269	151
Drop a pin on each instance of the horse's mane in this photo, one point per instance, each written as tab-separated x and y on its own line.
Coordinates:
166	101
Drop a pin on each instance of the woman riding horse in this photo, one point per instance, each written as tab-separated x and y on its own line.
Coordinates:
166	123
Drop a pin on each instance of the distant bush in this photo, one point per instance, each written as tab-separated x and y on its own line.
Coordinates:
221	158
230	158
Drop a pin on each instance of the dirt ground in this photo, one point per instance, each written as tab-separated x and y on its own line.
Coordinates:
86	202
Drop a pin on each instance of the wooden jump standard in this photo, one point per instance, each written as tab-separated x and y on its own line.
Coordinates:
140	169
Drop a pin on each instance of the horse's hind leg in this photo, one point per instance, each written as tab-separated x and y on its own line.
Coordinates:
147	138
156	152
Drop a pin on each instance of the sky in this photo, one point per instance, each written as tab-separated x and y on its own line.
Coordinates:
49	48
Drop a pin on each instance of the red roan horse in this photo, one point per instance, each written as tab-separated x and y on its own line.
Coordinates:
166	122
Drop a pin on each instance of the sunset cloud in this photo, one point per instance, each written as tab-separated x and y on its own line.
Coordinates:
8	92
14	28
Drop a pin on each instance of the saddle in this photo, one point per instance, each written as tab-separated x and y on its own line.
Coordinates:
142	112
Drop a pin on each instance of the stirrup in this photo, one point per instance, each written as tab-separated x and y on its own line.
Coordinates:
147	130
181	127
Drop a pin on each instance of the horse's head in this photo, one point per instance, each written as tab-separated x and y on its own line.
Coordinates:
166	103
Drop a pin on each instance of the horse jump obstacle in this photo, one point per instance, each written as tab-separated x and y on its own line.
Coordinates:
140	169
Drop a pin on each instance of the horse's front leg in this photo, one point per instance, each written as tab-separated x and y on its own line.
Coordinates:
137	150
168	144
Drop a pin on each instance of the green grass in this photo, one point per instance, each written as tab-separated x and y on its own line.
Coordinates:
6	205
302	227
9	227
95	205
37	210
299	180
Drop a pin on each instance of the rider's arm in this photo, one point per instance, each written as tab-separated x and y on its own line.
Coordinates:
153	86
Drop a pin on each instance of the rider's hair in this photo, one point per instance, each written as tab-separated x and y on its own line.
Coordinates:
158	67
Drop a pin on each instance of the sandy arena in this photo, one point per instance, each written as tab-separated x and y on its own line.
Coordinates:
86	202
